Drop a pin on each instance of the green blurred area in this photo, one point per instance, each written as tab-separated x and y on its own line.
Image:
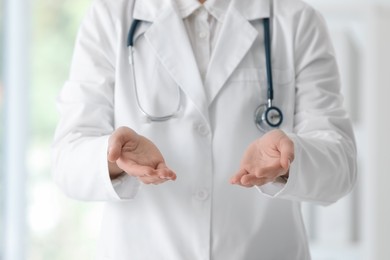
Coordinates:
55	24
57	227
69	236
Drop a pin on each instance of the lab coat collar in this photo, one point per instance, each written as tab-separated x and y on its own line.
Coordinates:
168	38
149	10
249	9
169	41
236	37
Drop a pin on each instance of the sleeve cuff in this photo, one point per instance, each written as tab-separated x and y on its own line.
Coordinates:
125	186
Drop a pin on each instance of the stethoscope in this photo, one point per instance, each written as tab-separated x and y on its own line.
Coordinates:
266	116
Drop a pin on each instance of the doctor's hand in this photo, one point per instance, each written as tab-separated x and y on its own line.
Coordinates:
137	156
265	160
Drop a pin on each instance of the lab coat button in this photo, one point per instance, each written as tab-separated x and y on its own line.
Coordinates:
203	130
202	195
203	35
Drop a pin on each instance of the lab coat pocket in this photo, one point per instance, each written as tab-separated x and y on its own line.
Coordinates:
156	92
282	77
284	95
283	83
247	75
248	84
254	80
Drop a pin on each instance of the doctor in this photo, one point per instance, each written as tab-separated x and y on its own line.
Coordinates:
177	109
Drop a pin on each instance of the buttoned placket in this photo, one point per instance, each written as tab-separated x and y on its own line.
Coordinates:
202	50
199	32
201	40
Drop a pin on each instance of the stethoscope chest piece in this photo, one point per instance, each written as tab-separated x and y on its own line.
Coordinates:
268	117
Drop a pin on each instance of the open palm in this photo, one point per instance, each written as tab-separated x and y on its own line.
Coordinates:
138	156
265	159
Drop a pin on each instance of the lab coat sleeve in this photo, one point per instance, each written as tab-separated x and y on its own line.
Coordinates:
324	168
86	105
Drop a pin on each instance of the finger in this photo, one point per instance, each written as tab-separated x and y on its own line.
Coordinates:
236	179
139	170
151	180
286	148
246	185
164	172
251	180
114	150
268	171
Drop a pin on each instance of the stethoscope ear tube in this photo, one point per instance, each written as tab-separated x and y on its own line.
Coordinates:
130	36
267	46
130	46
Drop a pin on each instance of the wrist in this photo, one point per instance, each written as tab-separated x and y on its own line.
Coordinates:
114	170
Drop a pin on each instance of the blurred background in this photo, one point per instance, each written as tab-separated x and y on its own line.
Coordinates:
38	222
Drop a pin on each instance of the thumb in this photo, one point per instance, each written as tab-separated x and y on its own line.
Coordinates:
114	149
117	140
286	148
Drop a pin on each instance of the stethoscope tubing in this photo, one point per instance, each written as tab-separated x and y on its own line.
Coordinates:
267	46
270	90
130	45
130	36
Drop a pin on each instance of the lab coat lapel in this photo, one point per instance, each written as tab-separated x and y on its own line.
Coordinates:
236	38
169	41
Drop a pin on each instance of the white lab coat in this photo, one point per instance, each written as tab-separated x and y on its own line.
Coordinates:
201	215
